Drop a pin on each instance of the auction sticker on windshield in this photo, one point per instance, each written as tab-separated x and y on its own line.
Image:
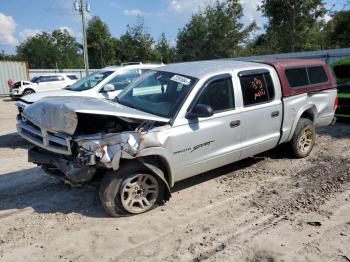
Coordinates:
180	79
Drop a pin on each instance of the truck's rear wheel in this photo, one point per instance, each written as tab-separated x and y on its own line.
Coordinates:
303	139
130	191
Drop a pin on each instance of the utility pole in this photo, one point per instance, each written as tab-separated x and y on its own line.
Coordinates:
82	7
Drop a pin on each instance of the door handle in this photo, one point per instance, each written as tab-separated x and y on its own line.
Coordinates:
275	114
235	123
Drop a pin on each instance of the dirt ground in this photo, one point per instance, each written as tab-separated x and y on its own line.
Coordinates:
265	208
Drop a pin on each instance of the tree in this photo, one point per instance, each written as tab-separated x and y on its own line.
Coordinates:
291	23
214	32
339	30
51	50
7	57
164	52
100	44
137	43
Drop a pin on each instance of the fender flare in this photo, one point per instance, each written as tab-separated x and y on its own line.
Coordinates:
152	167
298	116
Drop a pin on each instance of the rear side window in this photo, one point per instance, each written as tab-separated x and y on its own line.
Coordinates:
218	95
257	89
317	75
56	78
124	79
297	77
72	77
305	76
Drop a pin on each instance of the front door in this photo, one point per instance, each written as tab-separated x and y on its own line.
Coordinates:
207	143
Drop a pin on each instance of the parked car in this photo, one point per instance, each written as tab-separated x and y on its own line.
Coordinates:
177	121
42	83
343	109
105	83
342	71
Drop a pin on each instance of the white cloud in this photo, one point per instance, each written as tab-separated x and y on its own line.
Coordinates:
70	30
251	13
327	18
29	32
188	6
133	12
114	4
7	28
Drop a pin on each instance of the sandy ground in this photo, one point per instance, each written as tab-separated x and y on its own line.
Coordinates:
265	208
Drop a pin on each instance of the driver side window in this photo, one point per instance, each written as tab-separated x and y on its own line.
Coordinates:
218	95
122	80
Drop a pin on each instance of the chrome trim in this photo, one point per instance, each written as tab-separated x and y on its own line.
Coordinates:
43	138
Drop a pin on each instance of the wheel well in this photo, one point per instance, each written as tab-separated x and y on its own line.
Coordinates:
163	165
28	89
308	114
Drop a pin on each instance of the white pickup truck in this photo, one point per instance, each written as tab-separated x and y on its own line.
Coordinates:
177	121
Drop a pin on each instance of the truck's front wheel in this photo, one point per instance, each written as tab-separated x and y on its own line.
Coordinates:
130	191
303	139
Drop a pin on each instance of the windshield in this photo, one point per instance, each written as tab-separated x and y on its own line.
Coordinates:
156	92
34	79
89	81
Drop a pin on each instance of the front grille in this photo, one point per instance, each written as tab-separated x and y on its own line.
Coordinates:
51	141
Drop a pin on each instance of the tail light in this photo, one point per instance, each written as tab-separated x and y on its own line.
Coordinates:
335	103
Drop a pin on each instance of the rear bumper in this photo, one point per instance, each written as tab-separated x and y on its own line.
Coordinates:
326	121
71	170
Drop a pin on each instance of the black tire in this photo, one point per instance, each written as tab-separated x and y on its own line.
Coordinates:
114	182
28	92
303	139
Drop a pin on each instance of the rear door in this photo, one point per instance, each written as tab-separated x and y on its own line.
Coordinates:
261	112
47	83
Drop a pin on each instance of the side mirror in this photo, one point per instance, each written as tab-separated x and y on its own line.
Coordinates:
200	110
108	88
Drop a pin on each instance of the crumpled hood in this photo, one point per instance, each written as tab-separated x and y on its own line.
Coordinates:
60	113
37	96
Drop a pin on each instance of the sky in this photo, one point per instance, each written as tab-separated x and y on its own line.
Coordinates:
20	19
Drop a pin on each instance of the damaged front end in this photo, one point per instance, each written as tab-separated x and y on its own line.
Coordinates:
76	139
92	152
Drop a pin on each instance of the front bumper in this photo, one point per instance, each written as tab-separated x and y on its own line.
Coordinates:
15	93
72	170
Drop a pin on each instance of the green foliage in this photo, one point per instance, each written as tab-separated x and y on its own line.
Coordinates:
6	57
51	50
214	32
100	43
293	25
137	43
339	30
340	62
163	51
